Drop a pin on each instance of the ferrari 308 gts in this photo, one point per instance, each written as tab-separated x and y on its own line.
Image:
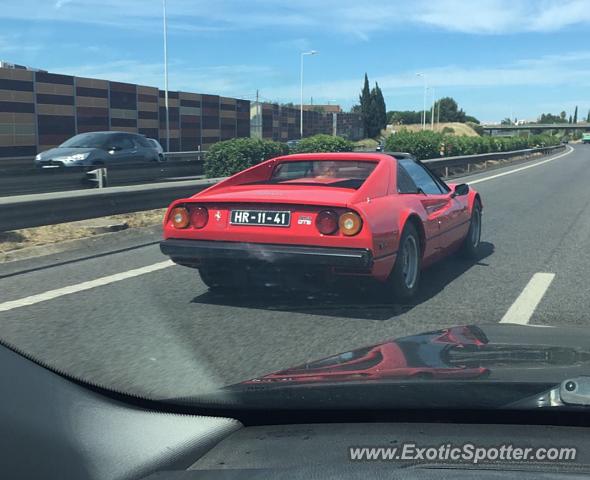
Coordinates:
324	215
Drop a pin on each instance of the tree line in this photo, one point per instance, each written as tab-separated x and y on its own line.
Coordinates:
561	118
546	118
445	110
375	117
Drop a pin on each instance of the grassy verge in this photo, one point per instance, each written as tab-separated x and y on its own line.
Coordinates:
37	236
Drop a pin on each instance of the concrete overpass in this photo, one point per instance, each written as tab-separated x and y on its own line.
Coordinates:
585	126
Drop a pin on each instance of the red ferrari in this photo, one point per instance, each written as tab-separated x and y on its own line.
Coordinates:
378	215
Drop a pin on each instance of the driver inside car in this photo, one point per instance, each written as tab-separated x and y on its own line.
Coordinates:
325	169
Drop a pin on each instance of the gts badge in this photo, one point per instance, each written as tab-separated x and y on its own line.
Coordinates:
304	220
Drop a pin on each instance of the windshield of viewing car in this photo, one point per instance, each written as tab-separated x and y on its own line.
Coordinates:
86	140
276	183
347	174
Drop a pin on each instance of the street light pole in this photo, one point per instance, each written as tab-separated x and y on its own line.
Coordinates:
432	111
423	75
311	52
166	77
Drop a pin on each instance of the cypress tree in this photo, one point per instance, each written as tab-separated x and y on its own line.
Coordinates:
365	101
381	108
373	115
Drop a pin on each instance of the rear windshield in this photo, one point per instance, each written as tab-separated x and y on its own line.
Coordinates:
343	174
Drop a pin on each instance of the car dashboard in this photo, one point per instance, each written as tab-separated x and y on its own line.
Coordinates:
53	427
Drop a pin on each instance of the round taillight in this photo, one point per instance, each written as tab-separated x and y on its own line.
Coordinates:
199	217
179	217
350	223
327	222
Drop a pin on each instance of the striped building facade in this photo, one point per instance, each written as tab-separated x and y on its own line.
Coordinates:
39	110
18	120
280	123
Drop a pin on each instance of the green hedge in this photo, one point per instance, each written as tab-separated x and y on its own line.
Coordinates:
323	143
428	144
231	156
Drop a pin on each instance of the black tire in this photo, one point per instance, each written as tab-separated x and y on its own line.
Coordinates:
404	278
470	247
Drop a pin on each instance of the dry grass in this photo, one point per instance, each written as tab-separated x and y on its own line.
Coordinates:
459	128
141	219
30	237
366	144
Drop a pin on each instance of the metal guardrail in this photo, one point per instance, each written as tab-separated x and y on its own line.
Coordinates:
43	180
441	165
196	156
24	163
24	211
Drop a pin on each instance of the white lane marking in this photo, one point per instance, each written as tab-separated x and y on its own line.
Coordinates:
524	306
80	287
491	177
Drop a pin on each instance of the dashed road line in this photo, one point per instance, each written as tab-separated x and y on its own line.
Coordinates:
524	306
80	287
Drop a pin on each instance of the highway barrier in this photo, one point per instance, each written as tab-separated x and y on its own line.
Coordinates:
25	211
443	165
30	180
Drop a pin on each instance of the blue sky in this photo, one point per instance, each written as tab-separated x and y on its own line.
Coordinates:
493	56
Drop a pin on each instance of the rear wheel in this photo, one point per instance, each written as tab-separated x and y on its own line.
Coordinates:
470	247
405	276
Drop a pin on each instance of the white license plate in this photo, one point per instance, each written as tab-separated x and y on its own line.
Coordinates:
260	217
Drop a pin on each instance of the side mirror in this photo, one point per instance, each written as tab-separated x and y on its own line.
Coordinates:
460	190
115	148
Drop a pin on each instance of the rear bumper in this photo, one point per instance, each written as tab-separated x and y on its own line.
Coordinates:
194	252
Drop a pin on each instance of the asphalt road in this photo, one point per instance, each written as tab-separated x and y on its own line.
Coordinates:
162	334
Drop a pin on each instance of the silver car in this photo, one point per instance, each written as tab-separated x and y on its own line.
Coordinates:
99	148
